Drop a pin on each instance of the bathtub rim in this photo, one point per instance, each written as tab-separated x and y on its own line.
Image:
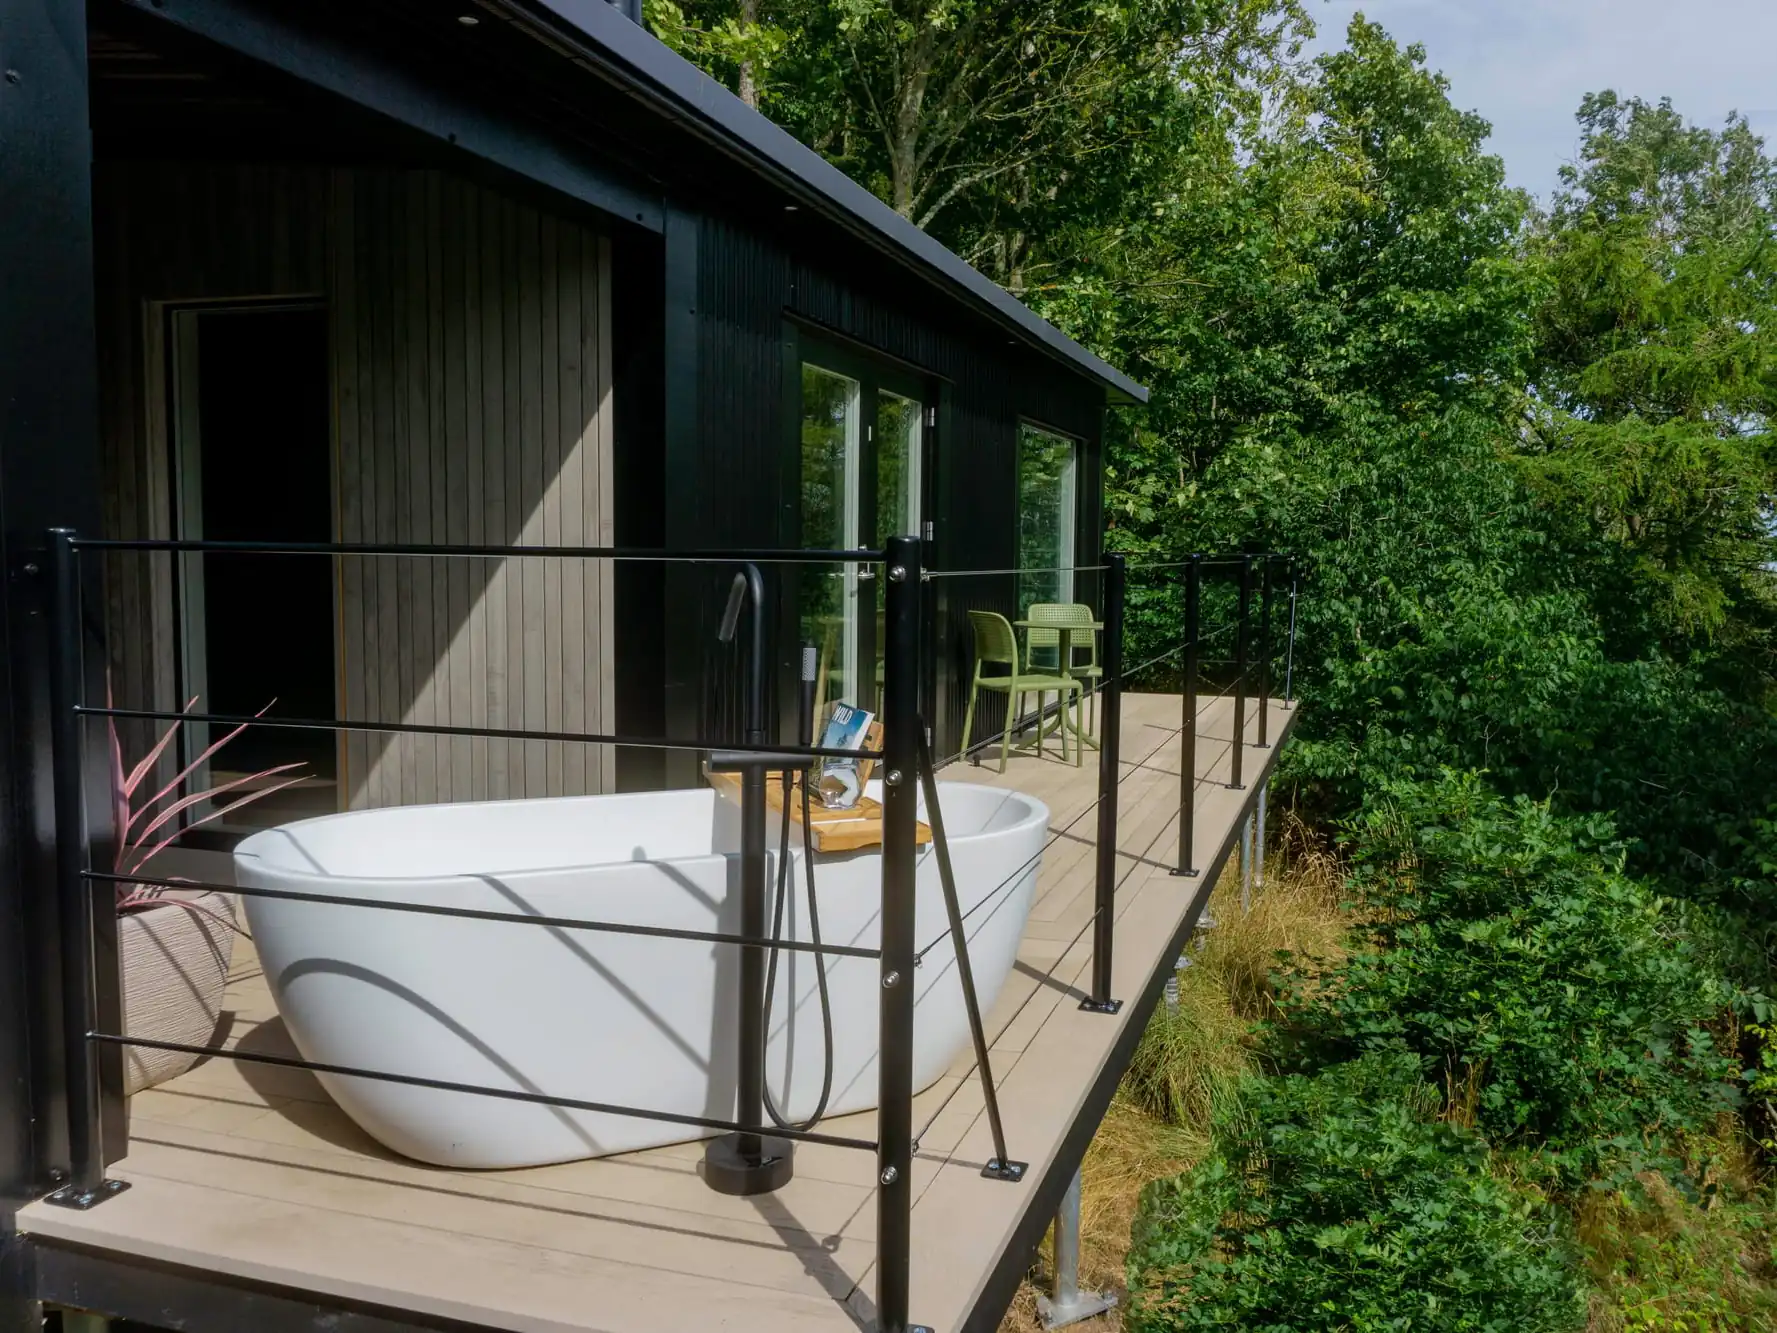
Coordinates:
242	857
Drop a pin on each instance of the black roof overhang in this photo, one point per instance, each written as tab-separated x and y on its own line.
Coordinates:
585	58
596	35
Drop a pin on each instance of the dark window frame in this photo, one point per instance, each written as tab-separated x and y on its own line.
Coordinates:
875	373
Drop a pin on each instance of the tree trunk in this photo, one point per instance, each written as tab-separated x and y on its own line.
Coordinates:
903	135
748	89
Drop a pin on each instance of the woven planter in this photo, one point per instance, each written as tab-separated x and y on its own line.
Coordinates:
175	970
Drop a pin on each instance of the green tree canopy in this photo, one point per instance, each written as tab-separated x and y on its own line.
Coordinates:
1651	406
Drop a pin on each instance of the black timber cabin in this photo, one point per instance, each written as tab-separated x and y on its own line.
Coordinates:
500	272
504	273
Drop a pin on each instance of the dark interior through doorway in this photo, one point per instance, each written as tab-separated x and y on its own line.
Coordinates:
253	407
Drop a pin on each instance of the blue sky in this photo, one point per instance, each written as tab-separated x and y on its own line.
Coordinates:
1524	64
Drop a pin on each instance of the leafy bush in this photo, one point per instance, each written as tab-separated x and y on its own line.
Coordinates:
1514	958
1339	1202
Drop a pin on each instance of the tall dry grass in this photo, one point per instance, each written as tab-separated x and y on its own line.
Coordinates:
1190	1060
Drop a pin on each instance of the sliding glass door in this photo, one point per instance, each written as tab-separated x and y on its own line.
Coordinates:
862	447
832	463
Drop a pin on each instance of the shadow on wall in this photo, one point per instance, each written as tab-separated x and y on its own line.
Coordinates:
470	355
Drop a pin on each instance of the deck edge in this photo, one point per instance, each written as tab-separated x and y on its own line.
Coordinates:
993	1296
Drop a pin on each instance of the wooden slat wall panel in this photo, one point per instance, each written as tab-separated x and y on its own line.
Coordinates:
488	360
472	370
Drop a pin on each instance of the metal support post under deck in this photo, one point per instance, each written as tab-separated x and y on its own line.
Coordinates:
1259	840
1066	1303
1246	866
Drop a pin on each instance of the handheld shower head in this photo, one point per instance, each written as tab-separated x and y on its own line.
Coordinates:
731	614
811	665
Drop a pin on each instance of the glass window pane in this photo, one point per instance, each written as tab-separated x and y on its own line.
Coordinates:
830	463
1047	464
899	444
897	466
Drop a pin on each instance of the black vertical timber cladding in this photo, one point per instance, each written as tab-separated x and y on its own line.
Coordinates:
49	476
682	493
733	480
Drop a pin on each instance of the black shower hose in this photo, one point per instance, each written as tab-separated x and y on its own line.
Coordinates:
820	959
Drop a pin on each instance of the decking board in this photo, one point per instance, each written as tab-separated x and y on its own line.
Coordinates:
251	1171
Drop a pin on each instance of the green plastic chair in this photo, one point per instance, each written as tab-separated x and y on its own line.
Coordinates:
1066	613
996	645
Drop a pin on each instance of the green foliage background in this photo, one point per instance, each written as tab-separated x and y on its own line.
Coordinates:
1524	458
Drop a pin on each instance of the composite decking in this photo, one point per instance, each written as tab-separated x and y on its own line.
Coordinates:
250	1172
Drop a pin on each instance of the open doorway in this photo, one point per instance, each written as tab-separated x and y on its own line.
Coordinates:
252	455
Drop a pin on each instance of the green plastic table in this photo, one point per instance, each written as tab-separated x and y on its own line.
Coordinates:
1066	650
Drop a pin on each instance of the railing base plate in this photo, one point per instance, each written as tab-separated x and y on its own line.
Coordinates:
1083	1305
1101	1006
1185	874
1009	1171
72	1196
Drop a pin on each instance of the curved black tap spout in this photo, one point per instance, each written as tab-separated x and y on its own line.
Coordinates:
749	586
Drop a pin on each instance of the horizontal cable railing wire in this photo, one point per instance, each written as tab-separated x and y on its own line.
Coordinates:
928	575
1226	751
1130	673
489	733
1139	765
1220	562
484	914
689	556
476	1089
1055	836
1048	975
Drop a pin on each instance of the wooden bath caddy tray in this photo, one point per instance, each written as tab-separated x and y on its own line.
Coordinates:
829	830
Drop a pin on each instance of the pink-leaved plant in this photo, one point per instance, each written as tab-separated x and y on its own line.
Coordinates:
143	830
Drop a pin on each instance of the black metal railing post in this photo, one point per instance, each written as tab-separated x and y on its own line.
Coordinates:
1187	780
1264	663
1289	659
900	800
1242	652
74	895
1110	734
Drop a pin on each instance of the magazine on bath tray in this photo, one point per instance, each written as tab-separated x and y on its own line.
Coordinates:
841	784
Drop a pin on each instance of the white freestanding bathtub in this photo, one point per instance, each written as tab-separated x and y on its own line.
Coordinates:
619	1019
